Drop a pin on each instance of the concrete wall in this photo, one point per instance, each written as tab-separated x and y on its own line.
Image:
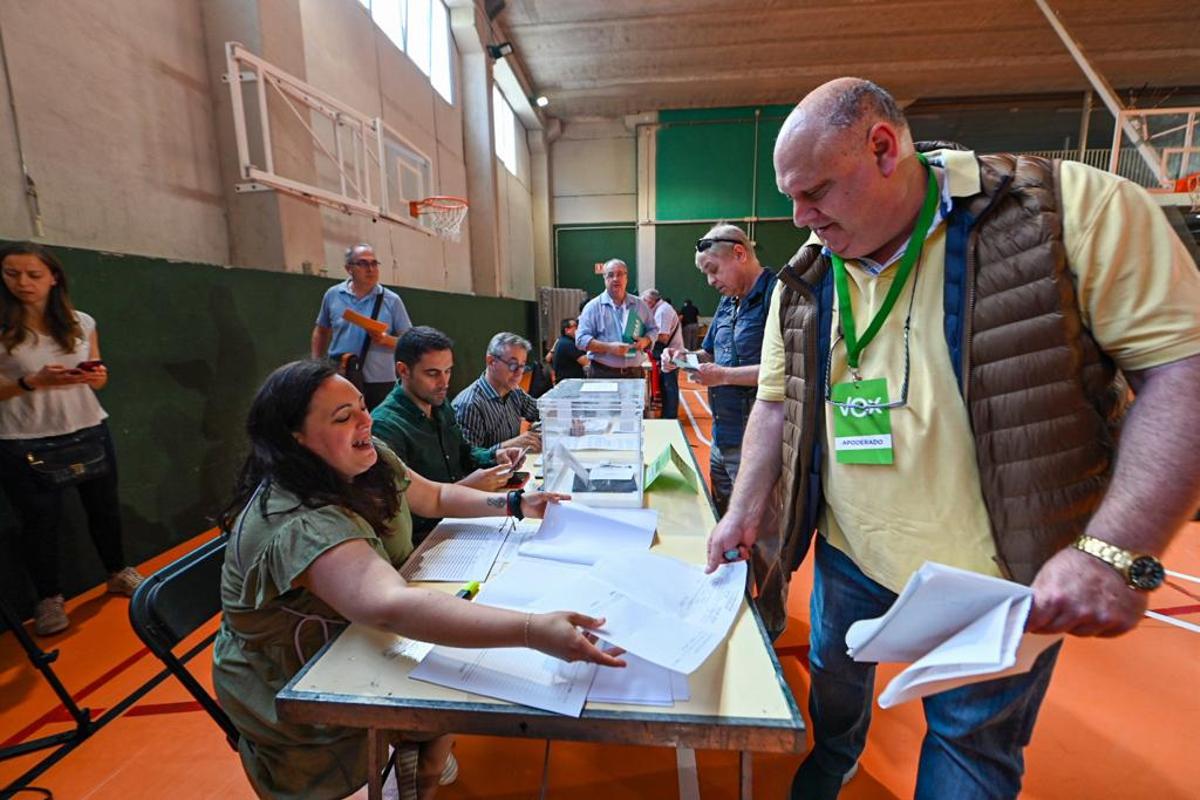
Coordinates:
114	103
347	56
127	131
593	173
515	206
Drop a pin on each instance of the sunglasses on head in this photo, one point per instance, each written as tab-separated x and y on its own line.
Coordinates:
704	244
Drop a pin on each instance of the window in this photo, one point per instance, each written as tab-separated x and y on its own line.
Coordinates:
440	51
389	16
420	28
418	33
505	123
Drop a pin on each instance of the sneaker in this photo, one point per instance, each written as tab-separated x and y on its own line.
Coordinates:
449	772
125	581
50	616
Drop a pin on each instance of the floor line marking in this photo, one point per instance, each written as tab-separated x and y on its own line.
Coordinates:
1185	576
1176	611
695	428
1187	626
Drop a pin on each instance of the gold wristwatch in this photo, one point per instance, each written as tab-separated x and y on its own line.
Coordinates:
1140	571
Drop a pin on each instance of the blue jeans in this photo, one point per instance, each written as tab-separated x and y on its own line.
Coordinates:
976	734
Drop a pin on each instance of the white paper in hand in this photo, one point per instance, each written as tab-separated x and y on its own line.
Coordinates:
956	626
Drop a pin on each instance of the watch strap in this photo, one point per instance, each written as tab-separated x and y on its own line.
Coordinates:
514	504
1117	557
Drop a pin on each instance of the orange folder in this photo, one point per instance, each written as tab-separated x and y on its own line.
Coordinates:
362	321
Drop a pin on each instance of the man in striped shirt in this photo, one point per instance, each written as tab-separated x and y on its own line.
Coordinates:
490	410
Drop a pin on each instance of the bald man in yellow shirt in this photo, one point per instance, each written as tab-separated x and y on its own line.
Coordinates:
947	364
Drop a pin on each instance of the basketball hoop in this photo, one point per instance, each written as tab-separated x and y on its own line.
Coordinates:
443	214
1191	185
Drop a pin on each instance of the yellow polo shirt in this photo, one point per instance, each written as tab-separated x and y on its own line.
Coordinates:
1139	294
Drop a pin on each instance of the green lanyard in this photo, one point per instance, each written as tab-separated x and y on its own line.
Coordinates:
912	253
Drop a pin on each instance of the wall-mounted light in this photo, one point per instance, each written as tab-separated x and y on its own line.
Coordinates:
541	101
499	51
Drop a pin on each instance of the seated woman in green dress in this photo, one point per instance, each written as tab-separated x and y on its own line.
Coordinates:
319	524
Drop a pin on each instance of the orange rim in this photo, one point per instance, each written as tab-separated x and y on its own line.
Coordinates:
436	203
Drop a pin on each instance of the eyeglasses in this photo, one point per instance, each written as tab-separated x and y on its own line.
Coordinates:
516	366
704	244
365	263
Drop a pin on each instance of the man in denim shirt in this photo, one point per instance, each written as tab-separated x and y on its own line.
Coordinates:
729	354
615	328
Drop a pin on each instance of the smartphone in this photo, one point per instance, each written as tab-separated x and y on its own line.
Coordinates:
90	366
517	480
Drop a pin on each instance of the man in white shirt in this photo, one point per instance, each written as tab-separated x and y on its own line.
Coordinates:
669	334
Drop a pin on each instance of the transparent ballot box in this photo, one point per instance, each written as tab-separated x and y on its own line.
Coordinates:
592	440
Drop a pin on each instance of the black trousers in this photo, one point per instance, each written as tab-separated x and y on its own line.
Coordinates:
39	510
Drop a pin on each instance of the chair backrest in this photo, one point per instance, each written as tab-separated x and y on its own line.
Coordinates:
174	602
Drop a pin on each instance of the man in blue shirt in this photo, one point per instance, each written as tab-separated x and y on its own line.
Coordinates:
730	352
615	328
334	337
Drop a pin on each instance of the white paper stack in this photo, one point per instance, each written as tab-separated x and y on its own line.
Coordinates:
578	534
518	675
956	627
458	550
662	610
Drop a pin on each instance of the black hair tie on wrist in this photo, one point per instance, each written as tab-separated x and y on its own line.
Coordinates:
514	504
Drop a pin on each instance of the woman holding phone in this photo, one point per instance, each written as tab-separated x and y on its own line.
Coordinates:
53	433
319	524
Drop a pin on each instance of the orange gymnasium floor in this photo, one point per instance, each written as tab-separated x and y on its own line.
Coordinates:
1120	719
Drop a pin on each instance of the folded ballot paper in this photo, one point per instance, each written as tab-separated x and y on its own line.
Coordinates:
578	534
955	626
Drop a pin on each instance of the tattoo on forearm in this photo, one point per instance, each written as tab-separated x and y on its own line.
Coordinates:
497	501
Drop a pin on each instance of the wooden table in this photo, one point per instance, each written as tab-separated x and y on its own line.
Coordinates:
739	699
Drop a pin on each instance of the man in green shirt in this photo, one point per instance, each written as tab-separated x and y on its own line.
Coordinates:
417	422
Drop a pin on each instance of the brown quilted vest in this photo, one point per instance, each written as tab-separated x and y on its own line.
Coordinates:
1045	402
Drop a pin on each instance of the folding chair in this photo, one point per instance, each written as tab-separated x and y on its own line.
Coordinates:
174	602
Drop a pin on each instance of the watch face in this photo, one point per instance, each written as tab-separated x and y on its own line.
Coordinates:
1146	573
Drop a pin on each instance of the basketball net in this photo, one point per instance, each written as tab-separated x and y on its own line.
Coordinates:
442	214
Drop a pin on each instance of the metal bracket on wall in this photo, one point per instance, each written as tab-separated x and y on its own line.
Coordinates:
375	171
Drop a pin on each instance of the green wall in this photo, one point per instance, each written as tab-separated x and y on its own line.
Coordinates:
577	249
187	346
715	165
675	254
